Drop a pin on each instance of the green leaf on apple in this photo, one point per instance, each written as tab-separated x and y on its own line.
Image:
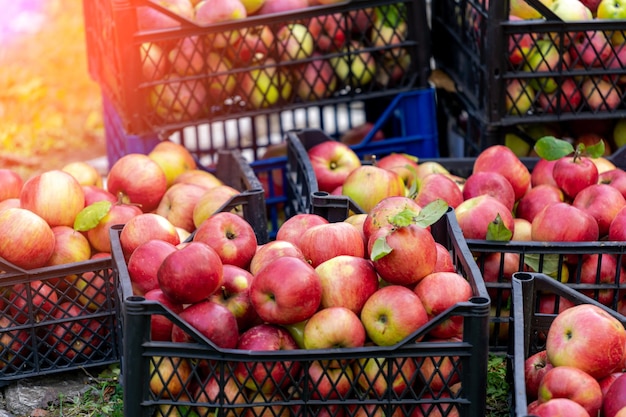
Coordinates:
428	215
546	263
551	148
380	249
90	216
498	231
595	150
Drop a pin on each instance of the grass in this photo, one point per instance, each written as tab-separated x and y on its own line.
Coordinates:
103	398
497	387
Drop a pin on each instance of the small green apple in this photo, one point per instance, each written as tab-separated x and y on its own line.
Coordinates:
611	9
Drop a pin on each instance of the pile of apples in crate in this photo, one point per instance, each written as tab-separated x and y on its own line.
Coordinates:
581	371
328	57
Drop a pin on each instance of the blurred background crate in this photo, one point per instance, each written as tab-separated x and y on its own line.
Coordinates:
528	77
56	319
531	321
150	77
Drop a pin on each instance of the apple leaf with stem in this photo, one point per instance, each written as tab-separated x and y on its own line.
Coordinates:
551	148
427	216
90	216
547	264
497	230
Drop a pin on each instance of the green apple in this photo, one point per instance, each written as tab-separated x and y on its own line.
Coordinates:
611	9
619	133
519	97
544	57
518	145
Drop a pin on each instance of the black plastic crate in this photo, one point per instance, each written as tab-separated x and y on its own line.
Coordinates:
474	42
468	356
138	66
57	319
530	327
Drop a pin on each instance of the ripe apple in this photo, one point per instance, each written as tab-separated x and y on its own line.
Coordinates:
169	376
231	236
234	294
572	174
376	410
555	223
404	164
74	337
94	194
569	382
210	12
381	183
536	199
565	99
200	177
544	57
263	376
119	213
616	178
70	247
499	267
440	372
569	340
15	344
326	382
439	291
601	270
294	227
55	196
519	98
190	274
160	325
270	251
27	240
214	321
607	381
315	79
84	173
409	253
11	184
354	66
145	227
138	179
617	228
542	172
220	389
95	289
615	399
37	298
262	88
294	42
143	264
523	230
490	183
332	162
500	159
381	214
438	186
559	407
212	201
391	314
347	281
325	241
548	303
535	367
178	203
602	202
9	203
281	301
379	376
333	327
445	262
173	158
600	94
477	213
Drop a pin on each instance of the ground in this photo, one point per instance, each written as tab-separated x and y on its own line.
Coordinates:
50	108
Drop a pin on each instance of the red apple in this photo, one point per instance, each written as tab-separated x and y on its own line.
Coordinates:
11	184
491	183
600	94
169	376
9	203
27	240
212	320
475	215
409	254
586	337
559	407
326	382
441	372
607	381
94	194
84	173
548	304
191	274
224	390
438	292
36	298
231	236
333	327
347	281
523	230
436	408
160	325
438	186
499	267
602	202
268	252
562	222
143	264
501	159
444	263
15	344
616	178
617	228
379	376
381	214
536	199
391	314
74	337
199	177
212	202
542	172
332	162
566	99
234	294
367	185
564	381
325	241
119	213
70	247
94	289
173	158
615	399
280	301
55	196
535	367
138	180
601	270
178	203
294	227
404	164
572	174
263	376
144	227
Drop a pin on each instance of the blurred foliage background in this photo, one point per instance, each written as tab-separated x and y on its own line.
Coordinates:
50	108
